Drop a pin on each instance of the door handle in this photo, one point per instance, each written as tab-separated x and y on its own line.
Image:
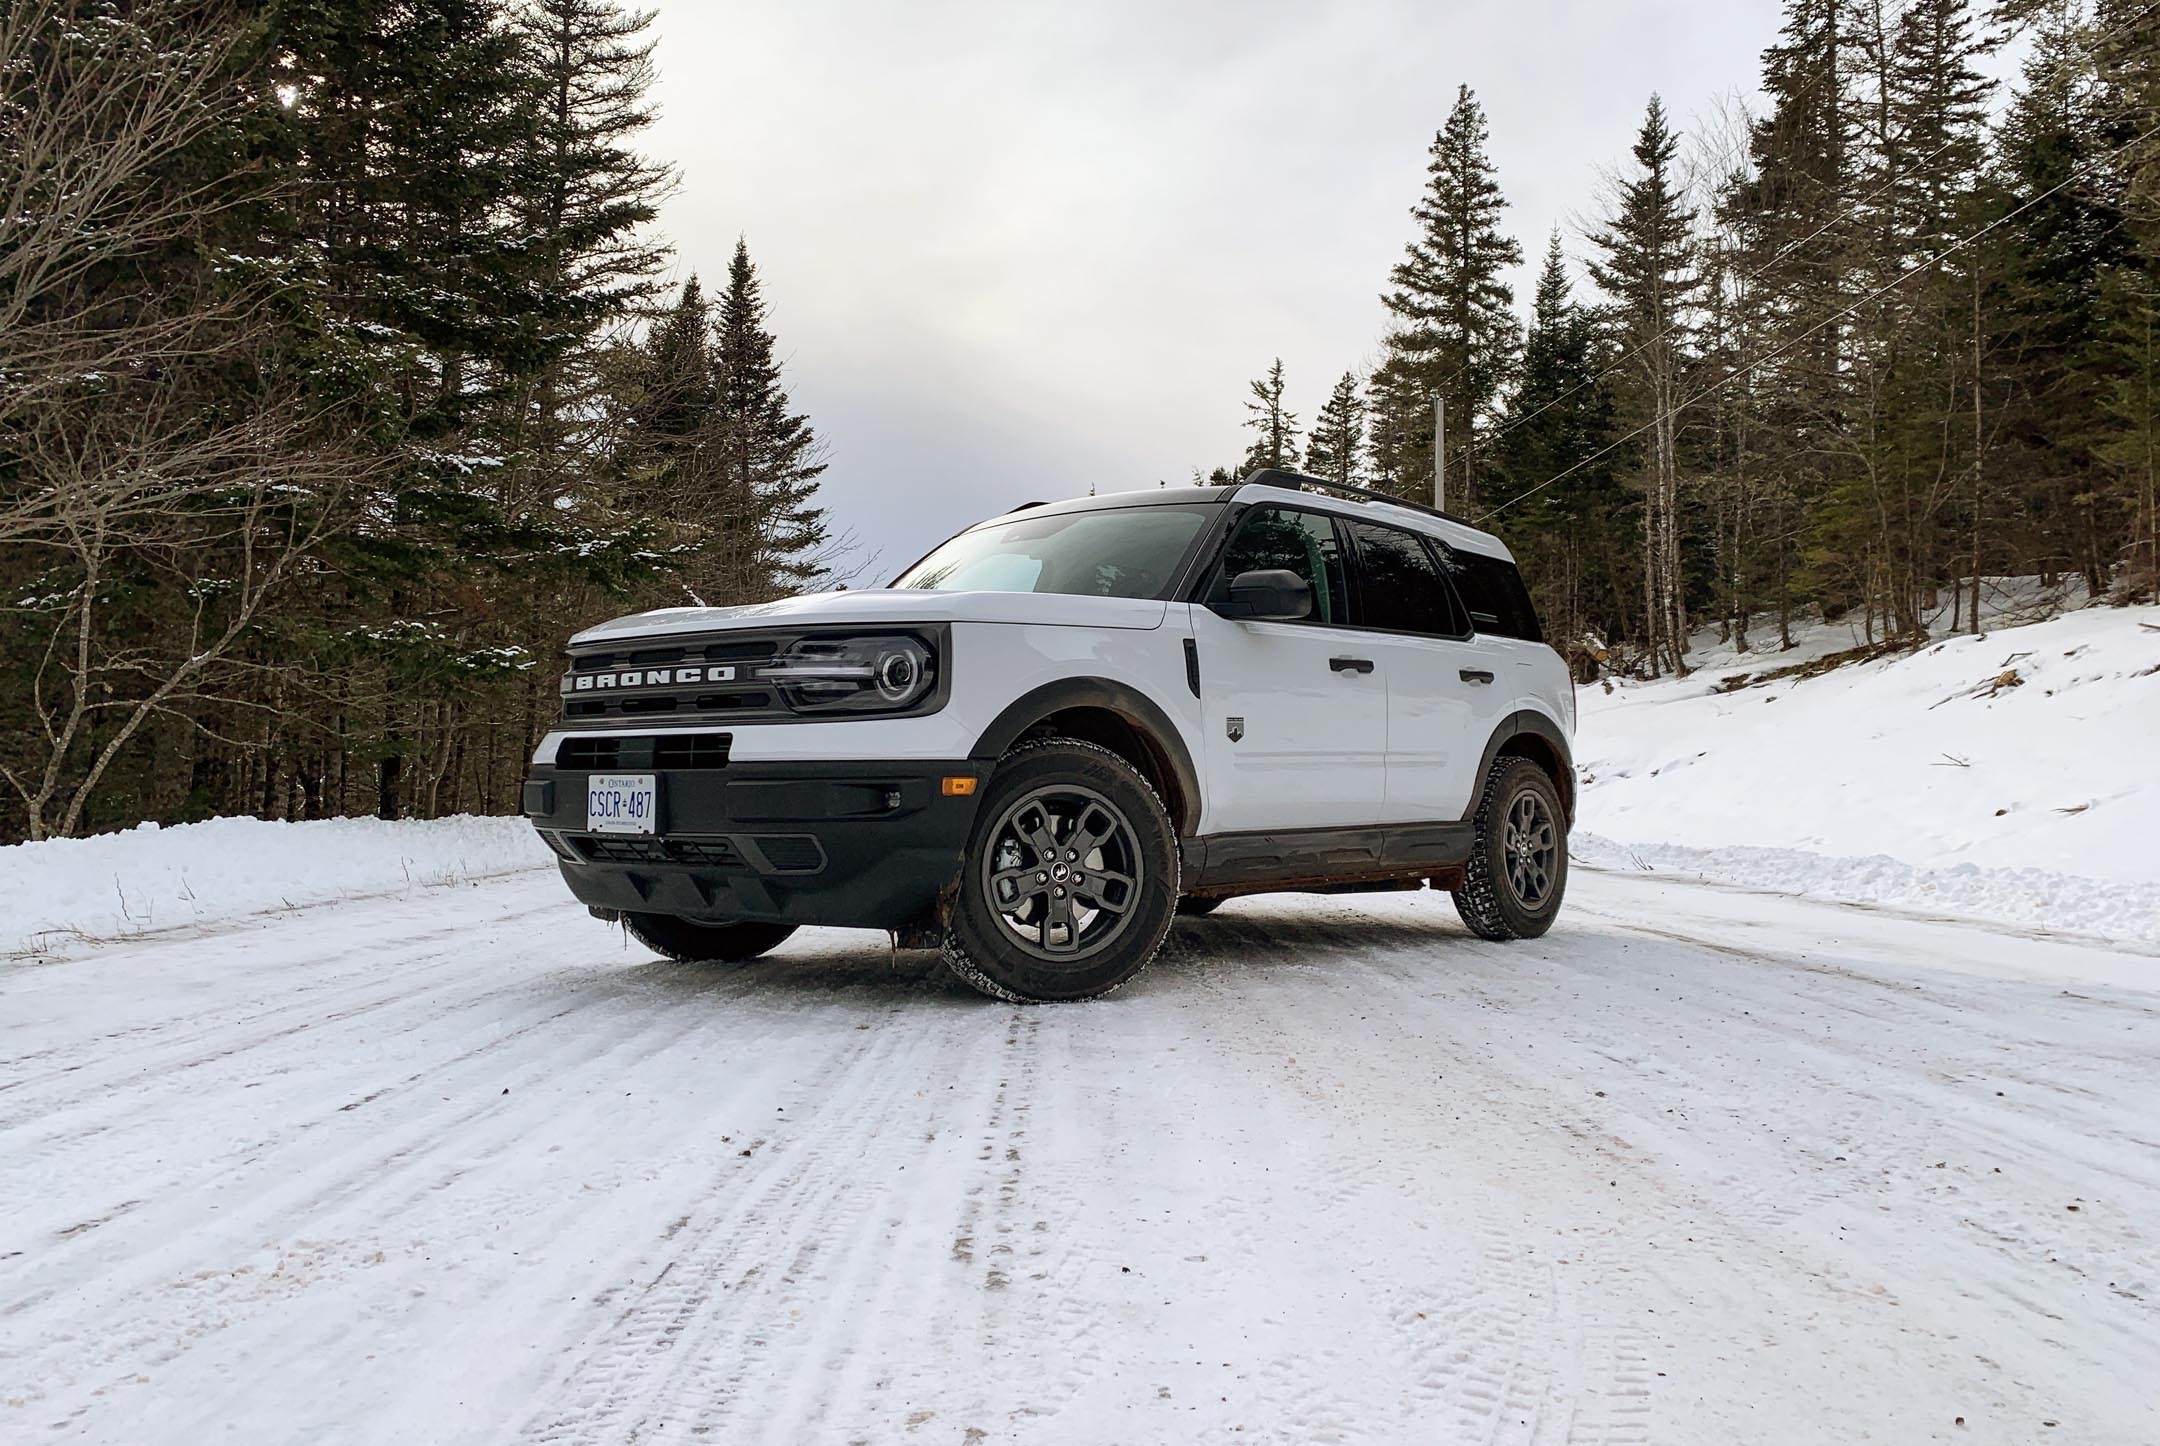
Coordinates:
1350	665
1475	675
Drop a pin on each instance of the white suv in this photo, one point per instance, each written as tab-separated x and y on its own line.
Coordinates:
1070	723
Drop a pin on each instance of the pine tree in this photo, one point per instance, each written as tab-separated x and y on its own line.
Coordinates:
1398	433
1791	216
2126	43
588	198
670	417
2062	233
2131	405
1559	418
1338	434
1275	429
1909	362
1938	112
1647	267
402	126
771	459
1877	530
1454	328
1801	150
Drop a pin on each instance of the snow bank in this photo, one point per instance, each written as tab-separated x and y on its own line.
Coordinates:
2012	776
2028	897
160	878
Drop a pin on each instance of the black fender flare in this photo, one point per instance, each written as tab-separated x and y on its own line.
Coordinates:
1138	710
1528	722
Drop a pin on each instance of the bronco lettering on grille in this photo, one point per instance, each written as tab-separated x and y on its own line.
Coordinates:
654	677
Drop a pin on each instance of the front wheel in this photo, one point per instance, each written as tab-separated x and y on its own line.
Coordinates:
688	942
1070	881
1517	870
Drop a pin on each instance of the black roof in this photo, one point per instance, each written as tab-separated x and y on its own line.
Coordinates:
1279	477
1300	482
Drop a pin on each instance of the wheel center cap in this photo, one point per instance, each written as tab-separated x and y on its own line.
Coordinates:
1059	872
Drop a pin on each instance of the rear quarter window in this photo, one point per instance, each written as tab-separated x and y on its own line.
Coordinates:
1492	589
1400	584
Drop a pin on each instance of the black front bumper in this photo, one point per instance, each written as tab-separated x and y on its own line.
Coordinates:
865	845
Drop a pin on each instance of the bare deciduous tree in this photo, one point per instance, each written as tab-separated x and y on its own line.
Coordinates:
148	450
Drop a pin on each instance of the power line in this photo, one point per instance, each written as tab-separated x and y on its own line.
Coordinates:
1789	344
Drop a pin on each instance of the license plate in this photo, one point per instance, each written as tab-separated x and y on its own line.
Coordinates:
621	802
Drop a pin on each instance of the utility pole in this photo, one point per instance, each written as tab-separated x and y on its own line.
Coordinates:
1439	452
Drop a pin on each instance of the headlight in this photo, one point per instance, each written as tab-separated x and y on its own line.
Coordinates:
853	675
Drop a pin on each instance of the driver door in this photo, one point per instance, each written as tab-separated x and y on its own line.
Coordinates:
1294	713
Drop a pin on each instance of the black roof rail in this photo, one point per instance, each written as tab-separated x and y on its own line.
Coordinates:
1300	482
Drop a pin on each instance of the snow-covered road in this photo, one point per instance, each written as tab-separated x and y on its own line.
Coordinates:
1699	1167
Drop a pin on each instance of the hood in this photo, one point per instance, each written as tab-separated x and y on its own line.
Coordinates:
880	607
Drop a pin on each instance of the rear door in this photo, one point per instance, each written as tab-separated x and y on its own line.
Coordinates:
1295	712
1506	622
1441	685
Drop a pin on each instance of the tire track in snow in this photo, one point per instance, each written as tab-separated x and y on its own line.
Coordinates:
351	1199
356	968
1029	1252
375	1171
686	1352
1487	1350
471	1193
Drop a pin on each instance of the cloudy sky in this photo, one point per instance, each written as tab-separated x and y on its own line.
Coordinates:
1015	250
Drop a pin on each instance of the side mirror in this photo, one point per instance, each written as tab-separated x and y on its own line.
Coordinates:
1268	594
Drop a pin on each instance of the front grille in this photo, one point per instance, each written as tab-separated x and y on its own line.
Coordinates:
633	706
715	852
742	696
647	750
751	702
691	750
595	754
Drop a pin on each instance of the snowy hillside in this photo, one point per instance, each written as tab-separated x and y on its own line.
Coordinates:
2013	776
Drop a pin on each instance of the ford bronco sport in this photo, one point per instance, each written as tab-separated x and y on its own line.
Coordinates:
1067	725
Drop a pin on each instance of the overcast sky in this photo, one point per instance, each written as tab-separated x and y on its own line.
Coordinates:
1014	250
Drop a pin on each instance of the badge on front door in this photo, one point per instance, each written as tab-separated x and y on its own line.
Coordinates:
1235	727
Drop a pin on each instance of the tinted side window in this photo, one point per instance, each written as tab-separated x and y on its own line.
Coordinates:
1303	542
1400	587
1492	588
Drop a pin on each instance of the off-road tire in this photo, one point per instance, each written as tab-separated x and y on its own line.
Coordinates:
978	946
1489	900
1192	908
687	941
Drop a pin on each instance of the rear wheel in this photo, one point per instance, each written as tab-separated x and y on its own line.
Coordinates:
1070	881
1517	871
690	942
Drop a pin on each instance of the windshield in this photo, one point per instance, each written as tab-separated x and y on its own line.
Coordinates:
1104	552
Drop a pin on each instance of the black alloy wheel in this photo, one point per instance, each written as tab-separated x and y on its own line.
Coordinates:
1062	872
1516	875
1070	881
1531	842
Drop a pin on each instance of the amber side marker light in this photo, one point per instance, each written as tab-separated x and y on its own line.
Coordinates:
958	787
